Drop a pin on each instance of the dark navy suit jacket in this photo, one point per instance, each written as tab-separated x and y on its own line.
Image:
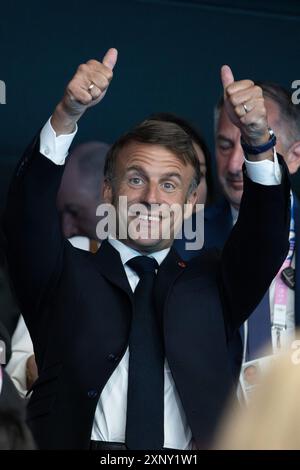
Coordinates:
78	305
217	227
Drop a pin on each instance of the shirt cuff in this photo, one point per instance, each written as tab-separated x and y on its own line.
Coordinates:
265	171
55	148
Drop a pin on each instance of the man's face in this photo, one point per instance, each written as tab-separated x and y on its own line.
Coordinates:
77	206
230	156
78	218
149	175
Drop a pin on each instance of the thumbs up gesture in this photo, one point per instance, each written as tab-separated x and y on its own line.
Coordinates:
86	89
244	104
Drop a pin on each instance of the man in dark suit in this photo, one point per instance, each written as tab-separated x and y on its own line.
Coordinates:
14	434
9	311
83	310
284	119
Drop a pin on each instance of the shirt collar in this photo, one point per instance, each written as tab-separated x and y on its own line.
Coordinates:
127	253
234	214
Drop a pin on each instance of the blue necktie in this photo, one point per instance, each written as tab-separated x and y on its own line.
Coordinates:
259	329
145	397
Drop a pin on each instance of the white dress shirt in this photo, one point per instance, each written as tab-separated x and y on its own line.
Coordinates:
110	417
22	349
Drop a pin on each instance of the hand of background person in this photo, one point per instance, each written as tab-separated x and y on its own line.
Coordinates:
31	371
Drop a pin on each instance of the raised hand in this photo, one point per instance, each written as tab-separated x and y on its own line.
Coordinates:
244	103
86	89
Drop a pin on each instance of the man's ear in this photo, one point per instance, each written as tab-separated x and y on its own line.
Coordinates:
293	157
190	205
107	192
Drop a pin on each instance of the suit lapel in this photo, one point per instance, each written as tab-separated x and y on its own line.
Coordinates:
110	265
297	260
170	269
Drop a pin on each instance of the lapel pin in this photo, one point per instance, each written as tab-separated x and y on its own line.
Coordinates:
182	264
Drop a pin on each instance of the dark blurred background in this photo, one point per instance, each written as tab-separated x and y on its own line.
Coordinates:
170	53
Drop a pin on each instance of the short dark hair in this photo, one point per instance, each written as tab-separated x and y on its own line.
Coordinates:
165	134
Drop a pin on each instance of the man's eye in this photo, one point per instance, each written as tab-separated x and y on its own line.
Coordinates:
225	147
72	211
135	181
167	186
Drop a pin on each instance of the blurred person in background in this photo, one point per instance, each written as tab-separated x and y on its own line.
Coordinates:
268	323
19	360
14	434
80	191
272	419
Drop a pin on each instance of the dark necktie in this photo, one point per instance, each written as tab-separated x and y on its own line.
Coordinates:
259	329
145	398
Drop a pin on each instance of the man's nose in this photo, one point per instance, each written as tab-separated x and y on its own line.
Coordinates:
151	194
69	227
236	160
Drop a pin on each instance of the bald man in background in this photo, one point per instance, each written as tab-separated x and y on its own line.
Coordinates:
80	192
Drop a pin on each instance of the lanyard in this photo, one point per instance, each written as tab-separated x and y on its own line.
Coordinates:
279	323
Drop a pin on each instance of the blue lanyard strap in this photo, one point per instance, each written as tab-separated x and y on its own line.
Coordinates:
292	235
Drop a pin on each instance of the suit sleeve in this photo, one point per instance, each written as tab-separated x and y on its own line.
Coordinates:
256	247
35	245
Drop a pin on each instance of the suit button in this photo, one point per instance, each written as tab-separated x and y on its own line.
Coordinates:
112	358
92	393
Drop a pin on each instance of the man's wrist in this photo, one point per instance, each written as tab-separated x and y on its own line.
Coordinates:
257	140
62	122
261	147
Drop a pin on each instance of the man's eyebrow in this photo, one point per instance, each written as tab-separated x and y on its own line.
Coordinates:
136	168
140	170
223	137
171	174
